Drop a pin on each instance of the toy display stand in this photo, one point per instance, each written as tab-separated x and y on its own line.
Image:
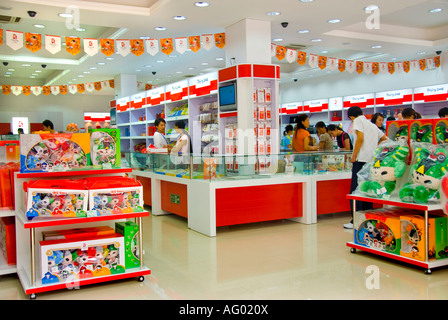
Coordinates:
427	264
28	233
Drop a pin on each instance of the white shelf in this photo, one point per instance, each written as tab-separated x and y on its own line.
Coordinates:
177	118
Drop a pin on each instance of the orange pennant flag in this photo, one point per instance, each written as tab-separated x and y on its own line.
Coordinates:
322	62
97	85
422	64
107	46
406	66
359	67
341	65
280	52
220	40
112	83
391	67
1	37
46	90
375	67
6	89
26	90
194	43
33	41
63	89
148	86
166	45
137	47
73	45
437	61
80	87
301	57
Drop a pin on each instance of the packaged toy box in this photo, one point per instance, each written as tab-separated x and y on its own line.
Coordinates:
421	130
78	233
130	232
7	184
8	239
105	147
378	229
114	195
440	133
63	198
54	152
398	130
413	237
438	239
68	261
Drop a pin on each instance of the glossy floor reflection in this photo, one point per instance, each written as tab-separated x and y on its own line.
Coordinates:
272	260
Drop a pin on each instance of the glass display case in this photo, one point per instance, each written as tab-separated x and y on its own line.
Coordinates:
215	167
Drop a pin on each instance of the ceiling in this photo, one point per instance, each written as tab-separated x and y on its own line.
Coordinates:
405	29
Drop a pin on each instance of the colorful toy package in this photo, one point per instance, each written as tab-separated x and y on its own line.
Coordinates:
77	233
413	237
54	152
68	260
428	167
440	131
421	130
105	147
398	130
8	239
438	238
378	178
114	195
130	232
62	198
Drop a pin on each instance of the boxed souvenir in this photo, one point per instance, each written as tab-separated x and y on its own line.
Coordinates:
7	184
440	127
437	237
114	195
421	130
8	239
398	130
67	260
62	198
54	151
77	233
413	237
378	229
105	147
130	232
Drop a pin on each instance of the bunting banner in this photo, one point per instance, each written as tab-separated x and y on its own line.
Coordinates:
36	90
14	39
406	66
80	88
123	47
1	37
280	52
26	90
194	43
54	90
73	45
152	46
166	45
350	66
341	65
72	88
291	55
207	41
33	41
375	68
301	58
53	44
137	47
46	90
89	87
6	89
107	46
220	40
367	67
91	46
332	64
391	67
97	85
313	60
181	44
63	89
322	62
16	90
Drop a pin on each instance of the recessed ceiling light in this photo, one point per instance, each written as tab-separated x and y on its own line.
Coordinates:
371	8
110	58
273	13
376	47
101	63
8	72
277	39
179	18
39	26
160	28
86	72
65	15
32	77
204	63
160	61
144	37
93	68
303	31
80	29
138	70
80	76
306	1
173	55
324	51
148	66
69	82
7	75
393	59
179	72
316	40
34	74
435	10
422	52
334	21
11	70
201	4
219	59
38	71
191	68
26	65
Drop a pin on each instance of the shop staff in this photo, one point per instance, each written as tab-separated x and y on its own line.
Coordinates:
159	136
410	114
48	126
301	140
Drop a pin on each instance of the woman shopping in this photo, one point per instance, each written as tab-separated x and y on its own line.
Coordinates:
302	140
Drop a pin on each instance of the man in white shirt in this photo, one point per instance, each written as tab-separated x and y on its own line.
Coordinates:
366	136
159	137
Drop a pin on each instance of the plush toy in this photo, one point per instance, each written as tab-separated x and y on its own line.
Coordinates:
422	133
388	165
402	134
426	174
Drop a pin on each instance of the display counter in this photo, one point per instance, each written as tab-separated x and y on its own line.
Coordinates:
220	190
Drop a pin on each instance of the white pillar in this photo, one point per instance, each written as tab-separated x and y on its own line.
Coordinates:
125	85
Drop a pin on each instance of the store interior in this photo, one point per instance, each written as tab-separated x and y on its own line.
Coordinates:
204	251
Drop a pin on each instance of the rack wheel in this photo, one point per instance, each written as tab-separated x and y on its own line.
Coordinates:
428	271
33	296
141	279
353	250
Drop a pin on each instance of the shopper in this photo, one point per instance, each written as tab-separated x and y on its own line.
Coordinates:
443	113
325	141
378	120
342	138
410	114
48	126
287	137
301	140
183	144
20	131
367	136
159	136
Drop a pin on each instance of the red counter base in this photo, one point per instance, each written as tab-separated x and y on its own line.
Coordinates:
258	203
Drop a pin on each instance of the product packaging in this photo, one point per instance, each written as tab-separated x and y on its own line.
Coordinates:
8	239
77	233
130	232
421	130
105	147
440	127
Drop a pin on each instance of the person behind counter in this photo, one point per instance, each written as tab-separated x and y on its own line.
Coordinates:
183	143
443	113
287	137
301	140
159	136
378	120
342	137
48	126
410	114
325	141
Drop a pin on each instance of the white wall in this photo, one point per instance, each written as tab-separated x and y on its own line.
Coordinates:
60	109
346	84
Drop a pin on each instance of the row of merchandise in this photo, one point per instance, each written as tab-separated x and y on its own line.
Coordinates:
421	130
87	197
402	232
69	255
41	152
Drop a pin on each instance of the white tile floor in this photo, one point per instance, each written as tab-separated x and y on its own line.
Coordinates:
271	260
